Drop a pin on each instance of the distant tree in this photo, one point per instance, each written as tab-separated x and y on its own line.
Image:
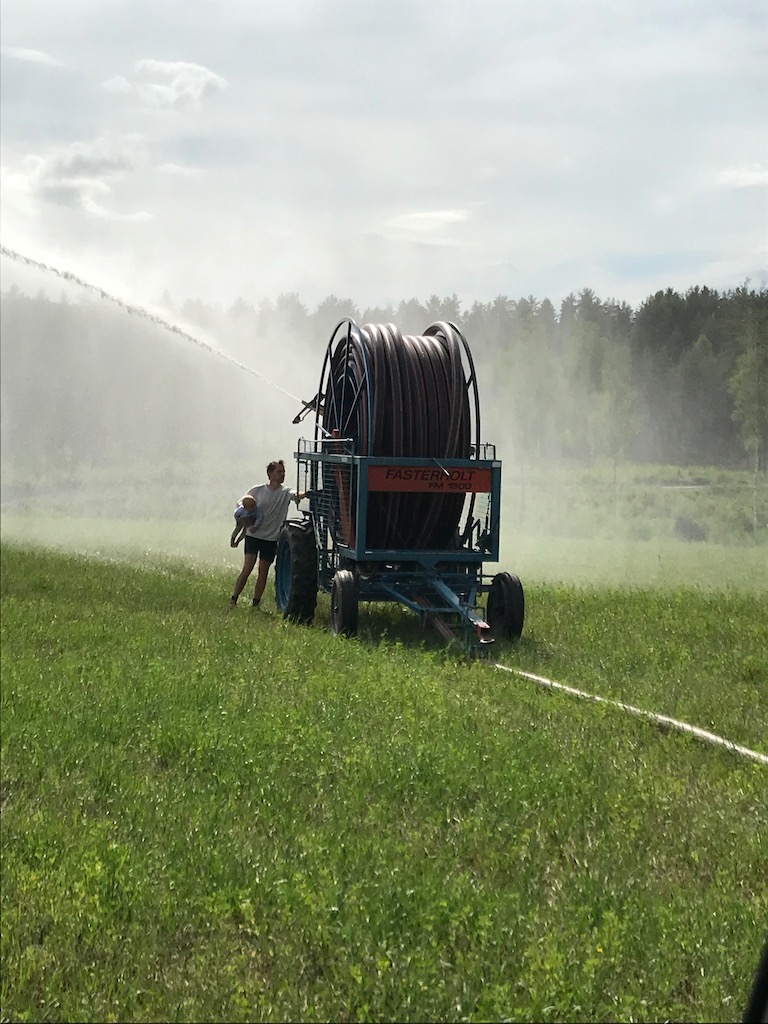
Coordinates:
548	320
196	312
411	317
619	317
500	321
567	316
620	402
526	309
291	314
749	387
378	315
589	309
474	324
330	311
241	310
703	311
447	308
526	387
703	404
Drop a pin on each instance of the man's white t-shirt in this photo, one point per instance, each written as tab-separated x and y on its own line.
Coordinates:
274	505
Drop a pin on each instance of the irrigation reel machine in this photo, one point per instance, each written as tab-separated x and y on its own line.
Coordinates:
404	498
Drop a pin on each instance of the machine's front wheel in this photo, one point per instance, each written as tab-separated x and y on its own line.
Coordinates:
506	606
296	572
344	604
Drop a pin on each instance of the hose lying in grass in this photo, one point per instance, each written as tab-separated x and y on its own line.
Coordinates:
663	720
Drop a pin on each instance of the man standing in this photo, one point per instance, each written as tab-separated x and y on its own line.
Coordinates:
272	499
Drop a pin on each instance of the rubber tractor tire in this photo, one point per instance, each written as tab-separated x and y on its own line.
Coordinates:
296	572
344	604
506	606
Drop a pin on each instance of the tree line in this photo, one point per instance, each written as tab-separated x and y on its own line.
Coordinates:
681	379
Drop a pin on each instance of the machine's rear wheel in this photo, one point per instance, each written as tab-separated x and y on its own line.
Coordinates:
296	572
344	604
506	606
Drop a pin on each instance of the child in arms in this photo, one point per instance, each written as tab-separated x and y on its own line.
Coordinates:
247	514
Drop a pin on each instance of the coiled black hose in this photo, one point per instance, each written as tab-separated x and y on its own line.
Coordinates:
403	396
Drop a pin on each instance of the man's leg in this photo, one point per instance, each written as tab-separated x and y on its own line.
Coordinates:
261	578
248	563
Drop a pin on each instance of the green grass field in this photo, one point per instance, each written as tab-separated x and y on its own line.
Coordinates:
212	816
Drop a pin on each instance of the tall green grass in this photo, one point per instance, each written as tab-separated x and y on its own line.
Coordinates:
225	816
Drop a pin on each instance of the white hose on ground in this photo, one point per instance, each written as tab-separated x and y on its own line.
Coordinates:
665	720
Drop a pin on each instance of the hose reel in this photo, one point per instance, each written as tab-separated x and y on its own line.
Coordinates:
385	394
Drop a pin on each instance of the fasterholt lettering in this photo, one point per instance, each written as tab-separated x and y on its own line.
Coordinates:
429	478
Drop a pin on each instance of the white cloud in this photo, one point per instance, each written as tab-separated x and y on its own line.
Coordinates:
175	85
745	176
32	56
180	171
118	84
427	221
81	175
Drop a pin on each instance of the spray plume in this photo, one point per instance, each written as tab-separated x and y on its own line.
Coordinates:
66	275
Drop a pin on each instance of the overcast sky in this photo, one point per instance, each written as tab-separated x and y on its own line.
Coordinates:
387	149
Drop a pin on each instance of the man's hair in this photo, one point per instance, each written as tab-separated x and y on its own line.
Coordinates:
273	466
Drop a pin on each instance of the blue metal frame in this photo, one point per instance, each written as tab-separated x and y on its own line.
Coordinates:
430	582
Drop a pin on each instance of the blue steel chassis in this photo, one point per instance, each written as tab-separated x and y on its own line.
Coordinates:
441	585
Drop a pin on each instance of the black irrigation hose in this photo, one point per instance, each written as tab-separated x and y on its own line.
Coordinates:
403	396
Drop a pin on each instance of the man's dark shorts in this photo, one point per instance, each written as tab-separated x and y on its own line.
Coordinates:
265	549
